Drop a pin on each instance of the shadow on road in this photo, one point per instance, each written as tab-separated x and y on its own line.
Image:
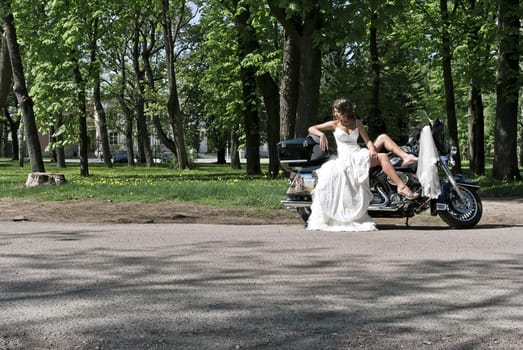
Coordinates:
253	294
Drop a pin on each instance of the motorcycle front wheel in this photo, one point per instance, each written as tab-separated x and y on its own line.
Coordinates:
462	213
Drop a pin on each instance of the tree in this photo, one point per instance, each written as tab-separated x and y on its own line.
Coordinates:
6	72
97	93
82	115
173	102
446	56
6	81
250	108
505	166
380	16
250	52
144	144
24	100
477	27
289	86
125	104
302	25
216	78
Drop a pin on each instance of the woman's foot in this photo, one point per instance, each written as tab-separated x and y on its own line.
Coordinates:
407	193
411	159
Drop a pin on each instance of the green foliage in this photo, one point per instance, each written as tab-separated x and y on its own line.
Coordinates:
54	34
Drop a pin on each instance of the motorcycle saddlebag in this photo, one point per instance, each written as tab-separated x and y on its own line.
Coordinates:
301	152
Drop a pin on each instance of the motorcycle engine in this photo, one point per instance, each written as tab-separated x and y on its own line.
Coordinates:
403	176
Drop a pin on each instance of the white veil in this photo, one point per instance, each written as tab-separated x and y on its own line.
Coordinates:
427	171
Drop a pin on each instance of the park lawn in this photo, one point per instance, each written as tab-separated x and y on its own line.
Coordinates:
210	184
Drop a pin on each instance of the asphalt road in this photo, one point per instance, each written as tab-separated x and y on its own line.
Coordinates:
174	286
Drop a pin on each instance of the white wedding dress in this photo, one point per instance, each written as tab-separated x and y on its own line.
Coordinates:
342	195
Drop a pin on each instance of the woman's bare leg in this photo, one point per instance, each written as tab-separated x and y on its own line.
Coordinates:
388	169
385	142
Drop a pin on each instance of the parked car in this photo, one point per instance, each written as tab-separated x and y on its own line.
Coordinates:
120	157
167	157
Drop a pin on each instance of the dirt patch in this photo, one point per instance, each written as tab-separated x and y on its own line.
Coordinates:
506	211
97	211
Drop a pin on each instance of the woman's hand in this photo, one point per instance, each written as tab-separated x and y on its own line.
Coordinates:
324	143
373	154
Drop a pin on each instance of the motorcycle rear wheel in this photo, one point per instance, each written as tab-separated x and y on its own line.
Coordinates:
464	213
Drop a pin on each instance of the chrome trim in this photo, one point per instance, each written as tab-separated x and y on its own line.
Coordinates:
389	209
290	204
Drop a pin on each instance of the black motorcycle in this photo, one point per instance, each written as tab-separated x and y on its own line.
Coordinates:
458	203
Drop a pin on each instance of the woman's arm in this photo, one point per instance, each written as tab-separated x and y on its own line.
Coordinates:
318	131
370	145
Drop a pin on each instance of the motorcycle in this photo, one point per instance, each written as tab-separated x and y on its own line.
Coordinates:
456	202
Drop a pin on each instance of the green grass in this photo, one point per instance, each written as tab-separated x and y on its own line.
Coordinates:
211	184
495	188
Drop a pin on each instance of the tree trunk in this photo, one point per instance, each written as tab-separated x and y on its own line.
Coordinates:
221	155
449	84
251	120
6	74
126	110
14	125
269	90
22	95
100	111
301	30
58	155
289	87
6	80
102	124
375	124
310	75
247	45
235	154
84	136
60	158
521	140
476	131
173	102
268	87
146	58
144	143
3	138
505	165
60	152
21	149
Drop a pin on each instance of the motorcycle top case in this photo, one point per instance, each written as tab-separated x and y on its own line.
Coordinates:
302	152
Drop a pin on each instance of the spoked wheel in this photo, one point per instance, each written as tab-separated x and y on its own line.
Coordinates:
304	212
462	212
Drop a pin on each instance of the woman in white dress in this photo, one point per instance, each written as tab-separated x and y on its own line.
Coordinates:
342	194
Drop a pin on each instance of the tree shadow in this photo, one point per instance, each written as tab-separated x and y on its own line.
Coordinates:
443	227
255	294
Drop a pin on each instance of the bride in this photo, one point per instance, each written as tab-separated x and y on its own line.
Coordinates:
342	195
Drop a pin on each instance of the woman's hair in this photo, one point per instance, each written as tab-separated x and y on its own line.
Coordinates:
344	106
